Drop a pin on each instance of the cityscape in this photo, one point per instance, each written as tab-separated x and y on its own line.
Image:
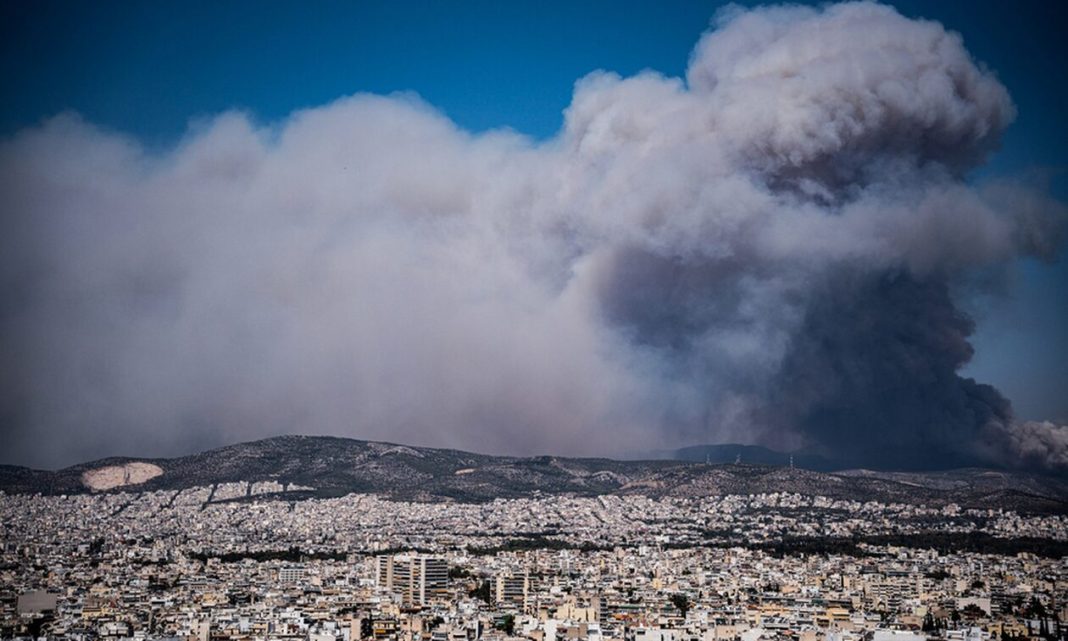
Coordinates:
239	561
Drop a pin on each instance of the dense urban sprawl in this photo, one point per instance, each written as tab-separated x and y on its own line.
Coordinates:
239	561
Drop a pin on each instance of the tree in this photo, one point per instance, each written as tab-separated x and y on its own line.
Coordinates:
1035	609
458	572
482	592
682	602
507	624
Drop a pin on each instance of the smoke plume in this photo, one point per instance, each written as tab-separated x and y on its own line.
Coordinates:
766	251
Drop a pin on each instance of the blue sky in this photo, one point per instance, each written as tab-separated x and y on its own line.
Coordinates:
149	69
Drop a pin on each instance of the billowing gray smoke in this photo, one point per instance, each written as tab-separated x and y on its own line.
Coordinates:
767	251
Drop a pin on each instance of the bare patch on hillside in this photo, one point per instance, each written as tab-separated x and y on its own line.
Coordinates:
112	476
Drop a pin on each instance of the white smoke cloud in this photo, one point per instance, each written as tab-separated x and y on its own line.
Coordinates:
722	258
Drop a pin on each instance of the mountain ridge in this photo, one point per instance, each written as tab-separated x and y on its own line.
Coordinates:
758	454
316	466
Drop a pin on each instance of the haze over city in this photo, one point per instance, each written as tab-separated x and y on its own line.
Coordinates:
599	230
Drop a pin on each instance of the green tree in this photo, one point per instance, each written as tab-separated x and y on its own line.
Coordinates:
682	602
507	623
482	592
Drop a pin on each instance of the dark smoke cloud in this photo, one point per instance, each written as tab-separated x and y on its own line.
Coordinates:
765	252
873	370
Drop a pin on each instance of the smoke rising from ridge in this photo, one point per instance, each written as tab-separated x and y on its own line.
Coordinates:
763	252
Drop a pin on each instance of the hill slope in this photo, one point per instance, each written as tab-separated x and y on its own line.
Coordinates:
328	466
